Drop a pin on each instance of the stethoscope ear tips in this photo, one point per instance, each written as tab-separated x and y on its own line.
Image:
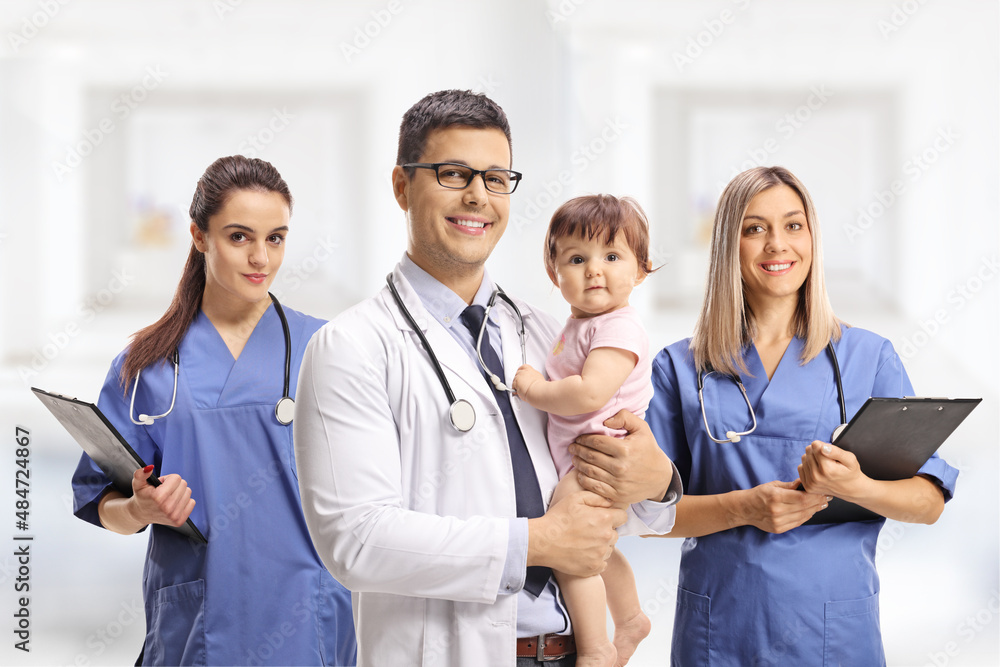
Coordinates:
731	435
146	420
495	379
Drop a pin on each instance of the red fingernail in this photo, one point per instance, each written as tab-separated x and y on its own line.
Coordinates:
148	468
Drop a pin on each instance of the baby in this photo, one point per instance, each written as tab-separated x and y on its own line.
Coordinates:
596	251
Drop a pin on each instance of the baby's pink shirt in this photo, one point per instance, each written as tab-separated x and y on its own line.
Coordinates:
619	329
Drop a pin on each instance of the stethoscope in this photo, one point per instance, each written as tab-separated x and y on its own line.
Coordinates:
460	411
734	436
284	409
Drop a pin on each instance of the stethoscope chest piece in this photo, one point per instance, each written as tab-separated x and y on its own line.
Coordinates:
460	411
284	410
462	415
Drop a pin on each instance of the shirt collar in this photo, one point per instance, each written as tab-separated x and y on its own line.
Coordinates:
438	300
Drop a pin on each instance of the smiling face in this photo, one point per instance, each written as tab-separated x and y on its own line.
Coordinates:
595	277
244	246
452	232
775	247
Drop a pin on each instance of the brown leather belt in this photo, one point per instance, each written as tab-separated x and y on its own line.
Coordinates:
546	647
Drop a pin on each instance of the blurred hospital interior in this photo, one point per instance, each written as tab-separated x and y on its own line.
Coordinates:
887	110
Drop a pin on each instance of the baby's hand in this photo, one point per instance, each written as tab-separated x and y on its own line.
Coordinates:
524	378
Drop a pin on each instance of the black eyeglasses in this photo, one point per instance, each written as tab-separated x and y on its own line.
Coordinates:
459	176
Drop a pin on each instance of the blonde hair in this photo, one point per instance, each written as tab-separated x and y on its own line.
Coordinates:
726	324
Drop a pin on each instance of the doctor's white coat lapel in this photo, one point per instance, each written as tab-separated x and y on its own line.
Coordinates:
465	372
466	376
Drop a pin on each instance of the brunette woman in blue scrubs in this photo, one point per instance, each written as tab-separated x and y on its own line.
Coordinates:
256	593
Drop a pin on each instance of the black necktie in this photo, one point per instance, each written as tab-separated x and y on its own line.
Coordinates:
526	489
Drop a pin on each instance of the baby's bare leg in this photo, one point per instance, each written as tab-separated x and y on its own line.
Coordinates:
585	600
631	624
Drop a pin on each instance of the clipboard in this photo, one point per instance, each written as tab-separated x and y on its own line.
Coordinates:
105	445
893	438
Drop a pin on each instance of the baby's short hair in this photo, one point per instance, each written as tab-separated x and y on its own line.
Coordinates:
590	215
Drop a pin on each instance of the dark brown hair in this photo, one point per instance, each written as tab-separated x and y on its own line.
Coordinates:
444	109
217	185
590	215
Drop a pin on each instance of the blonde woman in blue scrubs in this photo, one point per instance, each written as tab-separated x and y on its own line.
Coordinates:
756	587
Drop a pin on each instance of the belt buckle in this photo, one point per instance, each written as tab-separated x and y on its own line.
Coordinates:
540	651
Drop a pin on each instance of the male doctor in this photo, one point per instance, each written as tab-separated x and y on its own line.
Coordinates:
442	533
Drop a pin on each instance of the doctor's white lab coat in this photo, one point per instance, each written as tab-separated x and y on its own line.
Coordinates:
407	512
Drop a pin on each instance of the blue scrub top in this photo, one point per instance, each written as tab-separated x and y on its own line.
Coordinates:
257	593
747	597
